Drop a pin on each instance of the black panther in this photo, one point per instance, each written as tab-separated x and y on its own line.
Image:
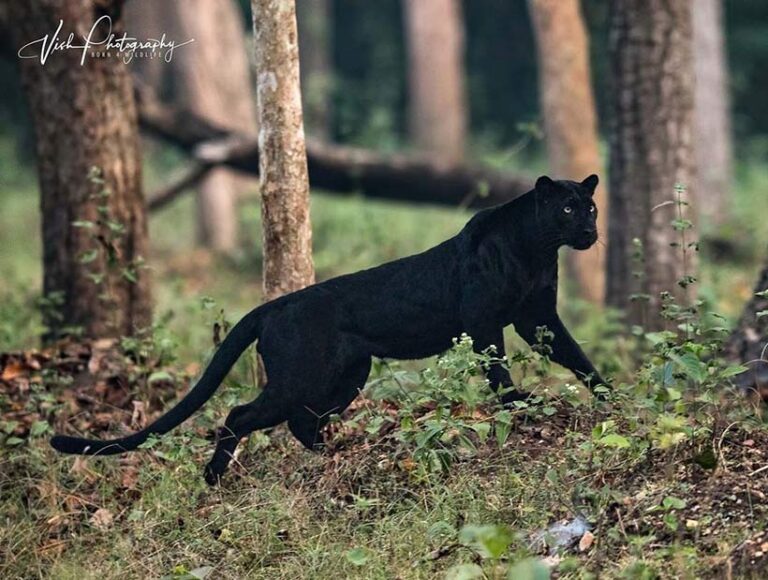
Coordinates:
317	343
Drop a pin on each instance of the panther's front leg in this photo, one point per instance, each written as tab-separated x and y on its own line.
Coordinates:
541	311
483	338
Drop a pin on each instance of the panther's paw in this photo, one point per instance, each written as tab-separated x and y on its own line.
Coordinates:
212	476
508	399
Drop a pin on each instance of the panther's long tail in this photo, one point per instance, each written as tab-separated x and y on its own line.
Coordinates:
238	339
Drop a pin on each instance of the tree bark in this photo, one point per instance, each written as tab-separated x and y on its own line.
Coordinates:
282	154
314	22
437	107
213	80
651	151
712	116
570	123
94	227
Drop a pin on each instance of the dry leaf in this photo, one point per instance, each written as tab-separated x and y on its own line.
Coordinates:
586	541
139	416
408	464
80	466
130	477
102	519
12	370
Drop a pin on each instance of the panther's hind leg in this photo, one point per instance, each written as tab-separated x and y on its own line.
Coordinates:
307	422
267	410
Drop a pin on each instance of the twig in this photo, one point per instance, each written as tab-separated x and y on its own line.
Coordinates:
756	471
170	192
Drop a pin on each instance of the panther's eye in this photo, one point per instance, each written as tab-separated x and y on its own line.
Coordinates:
568	209
592	209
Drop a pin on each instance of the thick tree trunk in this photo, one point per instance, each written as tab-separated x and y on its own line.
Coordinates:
713	125
314	22
94	227
213	80
282	152
570	121
748	343
651	151
437	113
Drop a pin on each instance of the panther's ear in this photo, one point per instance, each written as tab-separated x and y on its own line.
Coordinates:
591	183
545	185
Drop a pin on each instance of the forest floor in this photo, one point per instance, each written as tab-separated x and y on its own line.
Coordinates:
411	486
369	506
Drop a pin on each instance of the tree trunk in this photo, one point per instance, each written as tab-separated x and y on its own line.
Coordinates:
748	343
651	152
314	22
94	226
570	121
437	105
213	80
282	155
712	116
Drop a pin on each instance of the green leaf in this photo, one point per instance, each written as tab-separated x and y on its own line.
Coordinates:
130	275
601	429
464	572
115	227
528	569
38	428
732	371
9	426
89	256
691	366
671	502
670	520
159	376
502	431
482	430
14	441
488	541
674	394
375	424
358	556
614	440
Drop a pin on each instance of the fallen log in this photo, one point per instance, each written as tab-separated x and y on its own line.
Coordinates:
336	169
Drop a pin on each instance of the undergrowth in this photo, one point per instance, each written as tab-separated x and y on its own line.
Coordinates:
425	476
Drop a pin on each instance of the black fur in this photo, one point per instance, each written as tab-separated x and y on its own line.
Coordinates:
317	343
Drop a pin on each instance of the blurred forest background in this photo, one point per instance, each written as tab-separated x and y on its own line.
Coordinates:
468	84
133	232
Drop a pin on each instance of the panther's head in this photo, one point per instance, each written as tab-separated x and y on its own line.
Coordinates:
570	210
